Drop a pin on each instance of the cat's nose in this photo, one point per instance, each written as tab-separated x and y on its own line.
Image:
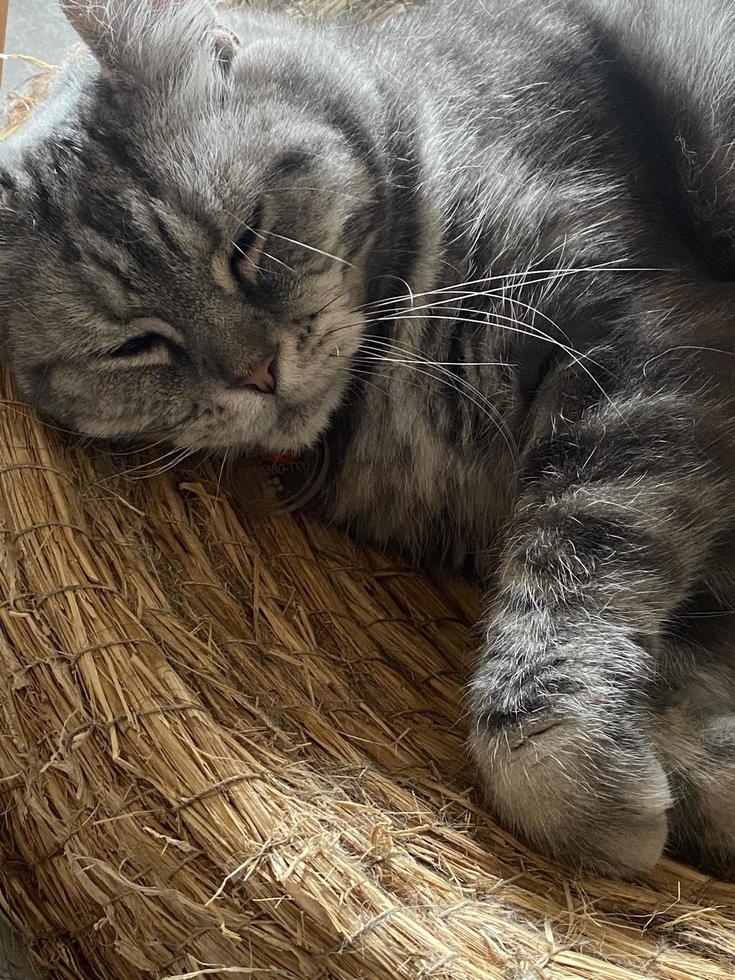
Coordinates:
264	377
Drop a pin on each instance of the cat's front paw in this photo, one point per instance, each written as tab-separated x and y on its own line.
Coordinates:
575	782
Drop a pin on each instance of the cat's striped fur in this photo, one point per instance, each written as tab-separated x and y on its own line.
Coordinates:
491	246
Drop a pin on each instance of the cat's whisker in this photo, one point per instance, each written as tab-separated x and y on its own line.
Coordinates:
22	409
510	301
486	321
311	248
413	357
398	360
364	375
261	235
516	326
534	333
454	381
142	466
351	325
133	450
449	382
681	347
150	462
409	292
184	454
258	234
331	301
219	477
489	318
458	295
245	255
548	275
366	371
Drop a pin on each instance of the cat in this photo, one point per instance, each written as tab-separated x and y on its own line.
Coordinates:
484	254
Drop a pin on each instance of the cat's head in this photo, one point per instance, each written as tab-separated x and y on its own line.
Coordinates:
186	227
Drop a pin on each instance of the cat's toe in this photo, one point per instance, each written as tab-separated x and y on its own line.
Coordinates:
596	798
632	848
702	756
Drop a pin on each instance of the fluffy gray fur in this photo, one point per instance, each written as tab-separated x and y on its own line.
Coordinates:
490	247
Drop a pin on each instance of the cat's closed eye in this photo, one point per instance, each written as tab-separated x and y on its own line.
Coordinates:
156	343
248	248
144	344
245	242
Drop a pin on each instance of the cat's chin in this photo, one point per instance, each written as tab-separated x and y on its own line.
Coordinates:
295	434
297	427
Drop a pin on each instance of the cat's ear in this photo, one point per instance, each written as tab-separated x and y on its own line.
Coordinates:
149	36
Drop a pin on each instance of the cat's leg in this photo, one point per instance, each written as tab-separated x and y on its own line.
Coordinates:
624	499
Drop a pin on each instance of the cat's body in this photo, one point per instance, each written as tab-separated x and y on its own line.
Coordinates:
485	255
555	177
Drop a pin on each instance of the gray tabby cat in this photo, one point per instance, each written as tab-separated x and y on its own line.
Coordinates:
485	253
